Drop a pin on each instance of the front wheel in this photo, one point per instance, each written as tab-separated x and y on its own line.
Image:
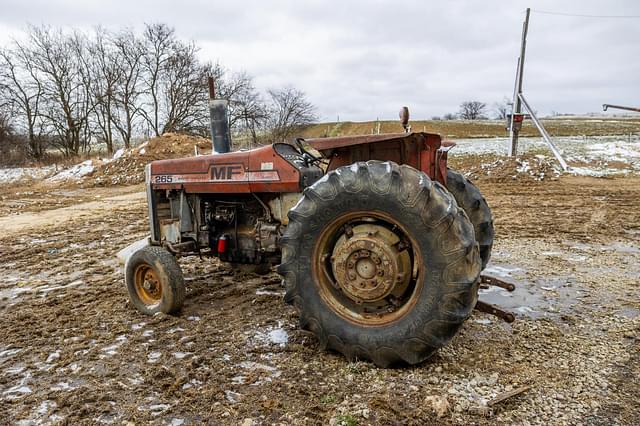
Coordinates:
380	263
154	281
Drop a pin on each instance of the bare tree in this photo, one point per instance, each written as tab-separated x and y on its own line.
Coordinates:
58	57
21	87
104	79
502	108
449	116
182	90
472	110
159	41
128	55
289	110
6	131
73	89
251	112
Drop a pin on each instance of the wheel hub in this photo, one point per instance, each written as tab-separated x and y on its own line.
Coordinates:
367	266
147	285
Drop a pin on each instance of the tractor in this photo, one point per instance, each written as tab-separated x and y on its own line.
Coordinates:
380	246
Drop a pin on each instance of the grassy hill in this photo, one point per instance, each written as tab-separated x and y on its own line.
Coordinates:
563	126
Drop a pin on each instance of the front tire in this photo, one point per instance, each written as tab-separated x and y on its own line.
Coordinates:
154	281
380	263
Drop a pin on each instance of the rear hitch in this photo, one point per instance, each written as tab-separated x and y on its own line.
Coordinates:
485	282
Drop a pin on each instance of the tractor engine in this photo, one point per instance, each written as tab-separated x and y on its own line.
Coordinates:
236	228
241	231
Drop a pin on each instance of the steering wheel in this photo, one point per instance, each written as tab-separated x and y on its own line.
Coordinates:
308	157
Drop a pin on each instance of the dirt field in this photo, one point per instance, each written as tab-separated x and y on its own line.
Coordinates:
74	351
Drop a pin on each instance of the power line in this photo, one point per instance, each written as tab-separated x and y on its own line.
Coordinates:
544	12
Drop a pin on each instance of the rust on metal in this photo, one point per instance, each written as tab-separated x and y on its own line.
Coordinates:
419	150
488	280
506	395
364	278
367	264
322	144
493	310
147	285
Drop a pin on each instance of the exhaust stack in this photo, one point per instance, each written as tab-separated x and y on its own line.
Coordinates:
219	121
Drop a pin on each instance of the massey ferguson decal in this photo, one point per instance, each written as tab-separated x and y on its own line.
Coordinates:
227	172
233	172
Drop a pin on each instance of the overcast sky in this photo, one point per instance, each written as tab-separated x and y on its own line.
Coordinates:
365	59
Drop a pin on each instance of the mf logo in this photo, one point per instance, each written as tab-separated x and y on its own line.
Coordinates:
227	172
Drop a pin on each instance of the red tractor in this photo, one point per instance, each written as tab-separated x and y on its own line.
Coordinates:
379	244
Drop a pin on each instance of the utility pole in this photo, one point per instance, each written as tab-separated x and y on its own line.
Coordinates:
516	105
517	117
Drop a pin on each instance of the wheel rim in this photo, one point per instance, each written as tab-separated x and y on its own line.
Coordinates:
367	268
148	286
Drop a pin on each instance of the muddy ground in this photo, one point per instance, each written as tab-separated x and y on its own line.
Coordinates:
74	351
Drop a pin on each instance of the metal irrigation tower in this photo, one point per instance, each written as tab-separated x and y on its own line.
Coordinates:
516	117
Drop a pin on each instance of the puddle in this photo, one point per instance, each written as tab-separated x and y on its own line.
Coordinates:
630	313
536	298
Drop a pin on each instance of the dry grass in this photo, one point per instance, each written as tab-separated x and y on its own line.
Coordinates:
482	128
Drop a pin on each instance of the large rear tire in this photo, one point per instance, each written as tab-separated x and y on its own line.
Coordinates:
468	197
380	263
154	281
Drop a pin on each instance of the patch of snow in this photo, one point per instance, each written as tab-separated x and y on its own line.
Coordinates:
119	153
192	383
8	353
48	288
181	355
138	326
74	172
175	330
279	336
16	174
158	409
271	336
265	292
113	349
62	386
233	397
52	357
584	171
193	318
239	380
153	357
14	370
19	390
